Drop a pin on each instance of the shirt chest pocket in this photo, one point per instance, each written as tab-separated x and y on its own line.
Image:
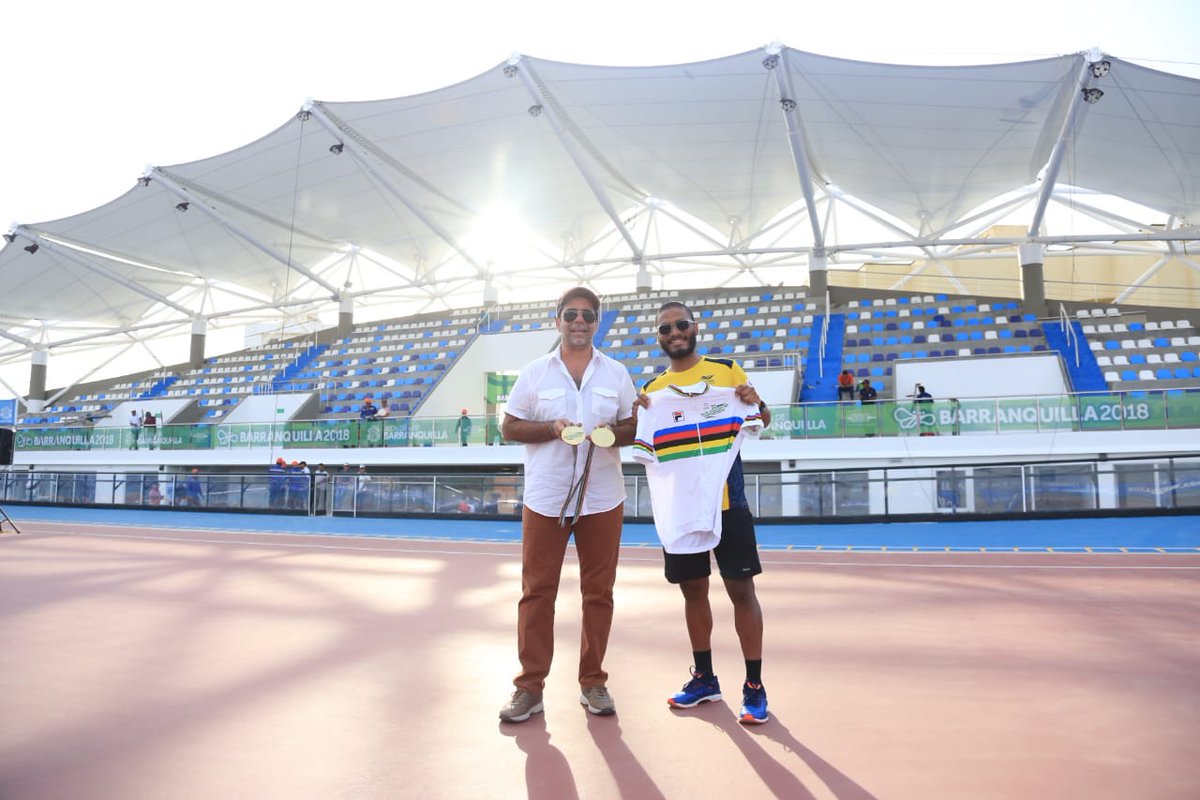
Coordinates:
552	404
604	404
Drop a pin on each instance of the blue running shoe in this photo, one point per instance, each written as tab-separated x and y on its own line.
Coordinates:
754	704
700	689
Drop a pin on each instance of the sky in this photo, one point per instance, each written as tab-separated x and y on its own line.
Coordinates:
95	92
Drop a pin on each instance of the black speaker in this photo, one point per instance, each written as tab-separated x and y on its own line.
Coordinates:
6	445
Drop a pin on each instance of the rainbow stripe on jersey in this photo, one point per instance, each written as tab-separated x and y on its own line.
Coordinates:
688	441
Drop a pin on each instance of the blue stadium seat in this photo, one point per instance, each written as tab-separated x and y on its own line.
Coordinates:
1163	374
1182	372
1128	375
1189	356
1137	358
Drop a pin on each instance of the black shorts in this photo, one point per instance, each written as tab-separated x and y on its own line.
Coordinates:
737	554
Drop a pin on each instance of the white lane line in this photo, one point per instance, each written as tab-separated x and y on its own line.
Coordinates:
655	559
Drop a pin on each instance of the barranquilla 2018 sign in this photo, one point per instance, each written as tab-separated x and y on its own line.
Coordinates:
1093	412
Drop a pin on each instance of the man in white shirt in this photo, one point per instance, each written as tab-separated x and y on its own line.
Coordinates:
135	427
576	385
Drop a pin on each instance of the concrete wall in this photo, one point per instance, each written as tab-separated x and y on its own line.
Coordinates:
464	386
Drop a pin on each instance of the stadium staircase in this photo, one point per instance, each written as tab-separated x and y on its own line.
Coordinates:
820	387
281	381
606	322
1087	376
159	388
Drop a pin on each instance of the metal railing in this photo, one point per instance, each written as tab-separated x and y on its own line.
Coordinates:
1157	483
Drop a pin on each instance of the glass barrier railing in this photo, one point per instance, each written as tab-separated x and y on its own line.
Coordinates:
1134	484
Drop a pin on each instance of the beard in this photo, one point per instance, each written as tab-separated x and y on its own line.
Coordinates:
676	350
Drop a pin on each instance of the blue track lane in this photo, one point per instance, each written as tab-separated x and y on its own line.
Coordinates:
1102	534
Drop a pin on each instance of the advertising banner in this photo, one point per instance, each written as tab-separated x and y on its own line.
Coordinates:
497	387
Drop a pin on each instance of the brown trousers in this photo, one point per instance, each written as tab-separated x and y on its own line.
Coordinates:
543	546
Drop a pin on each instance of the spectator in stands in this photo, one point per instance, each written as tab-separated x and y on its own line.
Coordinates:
866	396
297	486
276	483
320	489
366	412
923	405
343	482
846	386
155	496
572	379
463	428
381	415
135	428
150	426
193	491
362	481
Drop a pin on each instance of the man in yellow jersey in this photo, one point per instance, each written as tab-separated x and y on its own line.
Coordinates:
737	553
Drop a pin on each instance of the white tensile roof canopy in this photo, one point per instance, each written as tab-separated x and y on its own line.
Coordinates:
536	175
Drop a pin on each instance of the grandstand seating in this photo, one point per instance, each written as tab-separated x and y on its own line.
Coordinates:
757	328
1139	354
400	361
881	331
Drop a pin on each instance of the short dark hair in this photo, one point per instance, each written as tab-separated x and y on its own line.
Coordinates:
578	291
676	304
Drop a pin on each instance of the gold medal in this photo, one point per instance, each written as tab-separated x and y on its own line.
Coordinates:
603	437
573	435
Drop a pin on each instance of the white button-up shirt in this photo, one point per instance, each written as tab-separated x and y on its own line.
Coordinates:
546	391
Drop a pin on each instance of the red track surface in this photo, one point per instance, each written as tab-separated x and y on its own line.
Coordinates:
142	663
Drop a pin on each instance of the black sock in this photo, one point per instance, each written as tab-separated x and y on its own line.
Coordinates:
754	671
703	661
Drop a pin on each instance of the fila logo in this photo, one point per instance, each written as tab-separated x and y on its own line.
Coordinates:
677	416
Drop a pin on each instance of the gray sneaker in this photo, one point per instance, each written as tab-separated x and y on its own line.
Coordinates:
598	700
521	707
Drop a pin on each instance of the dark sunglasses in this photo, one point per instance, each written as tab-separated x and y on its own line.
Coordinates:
571	314
680	325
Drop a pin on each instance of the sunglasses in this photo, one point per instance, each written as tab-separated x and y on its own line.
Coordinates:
571	314
681	325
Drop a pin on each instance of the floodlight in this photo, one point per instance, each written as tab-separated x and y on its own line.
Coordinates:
182	206
1092	95
535	111
32	248
336	149
788	104
1101	68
